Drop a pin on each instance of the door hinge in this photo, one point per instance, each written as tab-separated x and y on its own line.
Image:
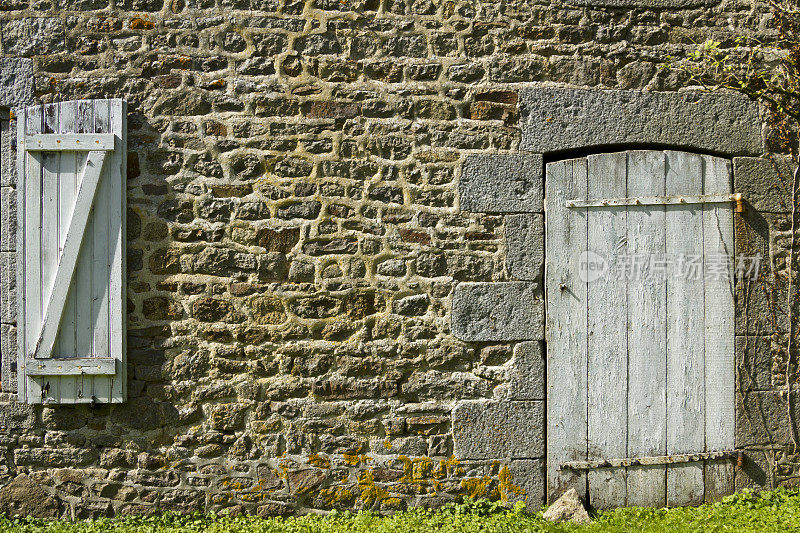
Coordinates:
654	460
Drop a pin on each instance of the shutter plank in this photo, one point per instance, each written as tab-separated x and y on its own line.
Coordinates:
685	327
66	344
566	327
607	338
646	333
100	261
84	123
719	333
51	163
22	388
117	193
31	176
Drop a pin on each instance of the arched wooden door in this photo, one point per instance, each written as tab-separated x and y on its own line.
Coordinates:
640	339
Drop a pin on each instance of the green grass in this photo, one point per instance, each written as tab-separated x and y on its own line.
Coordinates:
775	511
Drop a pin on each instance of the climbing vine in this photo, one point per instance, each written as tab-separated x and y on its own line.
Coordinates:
768	71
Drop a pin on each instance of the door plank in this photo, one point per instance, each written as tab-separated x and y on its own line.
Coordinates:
685	350
566	326
607	335
719	332
646	331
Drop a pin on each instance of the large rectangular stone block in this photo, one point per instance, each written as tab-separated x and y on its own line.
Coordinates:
8	219
526	482
528	371
485	429
502	183
507	311
33	36
525	239
16	75
15	415
558	119
754	355
765	183
8	357
762	418
8	287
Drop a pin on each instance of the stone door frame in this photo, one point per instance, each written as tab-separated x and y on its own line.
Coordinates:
559	123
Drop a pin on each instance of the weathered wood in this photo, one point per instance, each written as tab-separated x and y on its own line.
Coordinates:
101	280
669	199
646	331
84	311
30	276
566	326
719	328
69	142
21	257
607	335
49	255
69	176
64	267
117	232
684	336
678	386
676	459
90	366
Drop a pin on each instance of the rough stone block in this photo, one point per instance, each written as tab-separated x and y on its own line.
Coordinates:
525	238
15	415
651	4
8	357
8	219
33	36
8	287
502	183
765	183
528	371
756	472
557	119
754	361
511	311
16	81
485	429
761	418
527	477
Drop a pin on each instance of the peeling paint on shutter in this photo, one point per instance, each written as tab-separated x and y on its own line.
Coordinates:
71	201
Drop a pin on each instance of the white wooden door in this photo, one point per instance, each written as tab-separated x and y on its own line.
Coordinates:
71	201
640	340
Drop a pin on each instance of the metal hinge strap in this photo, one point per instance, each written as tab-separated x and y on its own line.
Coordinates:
654	460
658	200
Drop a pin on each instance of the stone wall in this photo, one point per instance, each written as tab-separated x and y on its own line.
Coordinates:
297	243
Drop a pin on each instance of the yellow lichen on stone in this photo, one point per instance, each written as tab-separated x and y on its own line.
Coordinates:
475	487
370	493
507	488
317	460
337	495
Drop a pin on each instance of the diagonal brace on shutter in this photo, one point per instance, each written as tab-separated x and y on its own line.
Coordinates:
69	256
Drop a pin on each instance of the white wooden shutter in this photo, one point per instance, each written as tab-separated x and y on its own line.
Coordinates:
71	202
